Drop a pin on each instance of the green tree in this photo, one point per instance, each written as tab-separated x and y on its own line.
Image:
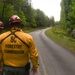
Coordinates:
71	16
30	17
65	9
41	18
52	21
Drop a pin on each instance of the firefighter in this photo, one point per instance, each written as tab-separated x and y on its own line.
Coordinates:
1	26
17	50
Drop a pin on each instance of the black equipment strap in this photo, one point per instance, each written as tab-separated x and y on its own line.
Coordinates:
20	39
15	36
6	37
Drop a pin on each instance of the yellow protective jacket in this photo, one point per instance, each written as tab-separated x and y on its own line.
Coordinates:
17	52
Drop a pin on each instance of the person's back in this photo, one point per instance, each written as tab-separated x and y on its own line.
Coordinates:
17	49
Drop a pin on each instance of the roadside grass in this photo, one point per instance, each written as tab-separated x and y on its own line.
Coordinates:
27	30
59	36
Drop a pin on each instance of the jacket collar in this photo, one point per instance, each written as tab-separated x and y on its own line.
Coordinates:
16	29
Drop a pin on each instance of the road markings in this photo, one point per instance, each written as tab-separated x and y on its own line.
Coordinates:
43	66
38	72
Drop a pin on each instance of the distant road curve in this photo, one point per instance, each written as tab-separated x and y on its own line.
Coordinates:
53	58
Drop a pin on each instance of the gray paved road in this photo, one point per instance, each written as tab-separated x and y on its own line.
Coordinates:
53	58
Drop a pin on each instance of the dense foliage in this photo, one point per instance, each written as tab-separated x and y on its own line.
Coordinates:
68	16
23	8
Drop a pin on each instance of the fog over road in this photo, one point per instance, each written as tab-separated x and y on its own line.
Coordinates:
53	58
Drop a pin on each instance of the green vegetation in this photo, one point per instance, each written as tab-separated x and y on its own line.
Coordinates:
67	18
27	30
31	18
60	36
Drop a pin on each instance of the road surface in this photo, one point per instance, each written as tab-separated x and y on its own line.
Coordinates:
53	58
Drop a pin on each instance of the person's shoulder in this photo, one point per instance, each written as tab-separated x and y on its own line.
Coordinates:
23	32
5	33
26	34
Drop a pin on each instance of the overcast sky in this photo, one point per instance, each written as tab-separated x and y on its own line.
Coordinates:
49	7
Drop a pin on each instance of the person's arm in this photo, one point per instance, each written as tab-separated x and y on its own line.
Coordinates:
1	63
33	56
